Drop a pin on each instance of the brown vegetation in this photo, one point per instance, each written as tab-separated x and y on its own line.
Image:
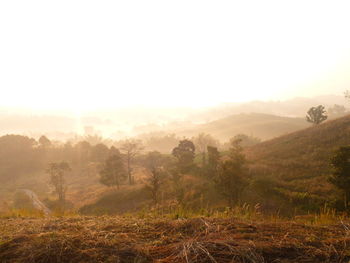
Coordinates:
130	239
301	160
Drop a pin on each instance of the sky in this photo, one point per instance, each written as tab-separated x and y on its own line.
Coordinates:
86	55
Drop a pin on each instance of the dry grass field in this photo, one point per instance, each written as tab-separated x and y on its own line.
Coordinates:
132	239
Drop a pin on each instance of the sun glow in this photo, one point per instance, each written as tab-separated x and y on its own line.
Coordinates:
85	55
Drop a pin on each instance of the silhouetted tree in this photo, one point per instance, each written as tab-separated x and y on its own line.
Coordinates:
154	163
184	154
316	115
341	172
213	161
57	172
113	171
232	174
130	148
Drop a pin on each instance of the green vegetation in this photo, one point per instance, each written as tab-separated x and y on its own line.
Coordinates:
341	172
113	171
56	172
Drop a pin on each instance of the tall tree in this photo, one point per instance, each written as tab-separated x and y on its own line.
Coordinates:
183	163
130	148
57	180
341	172
154	163
184	154
113	171
316	115
232	174
213	161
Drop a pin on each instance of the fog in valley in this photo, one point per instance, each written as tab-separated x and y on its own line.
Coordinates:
120	123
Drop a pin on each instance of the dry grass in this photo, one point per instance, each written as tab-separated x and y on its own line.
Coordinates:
131	239
301	160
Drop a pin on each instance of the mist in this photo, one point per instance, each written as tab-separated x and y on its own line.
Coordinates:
174	131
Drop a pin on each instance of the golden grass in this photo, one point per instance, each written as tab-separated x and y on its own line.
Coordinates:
201	239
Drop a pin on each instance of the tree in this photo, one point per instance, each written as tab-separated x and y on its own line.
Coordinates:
57	172
113	171
316	115
201	142
213	161
340	163
130	148
184	154
19	155
154	163
232	174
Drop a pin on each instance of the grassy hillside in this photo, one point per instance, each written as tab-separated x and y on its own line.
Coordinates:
263	126
302	158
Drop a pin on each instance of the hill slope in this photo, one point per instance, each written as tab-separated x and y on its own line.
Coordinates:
302	158
264	126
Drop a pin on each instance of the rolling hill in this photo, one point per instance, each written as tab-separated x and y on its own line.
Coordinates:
301	159
263	126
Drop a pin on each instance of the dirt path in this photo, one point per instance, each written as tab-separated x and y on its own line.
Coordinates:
35	201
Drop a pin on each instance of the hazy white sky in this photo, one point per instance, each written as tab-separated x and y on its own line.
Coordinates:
92	54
